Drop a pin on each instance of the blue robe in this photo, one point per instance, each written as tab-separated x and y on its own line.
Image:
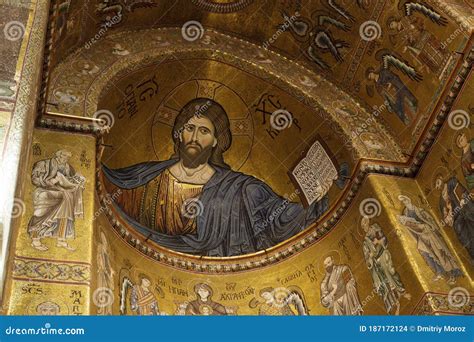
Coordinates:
241	214
463	218
402	95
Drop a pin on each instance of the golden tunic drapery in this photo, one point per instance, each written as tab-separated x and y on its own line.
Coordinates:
159	204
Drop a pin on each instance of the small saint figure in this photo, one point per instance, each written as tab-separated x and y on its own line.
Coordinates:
105	272
467	159
142	300
57	201
424	47
339	290
203	304
429	241
396	95
456	206
385	278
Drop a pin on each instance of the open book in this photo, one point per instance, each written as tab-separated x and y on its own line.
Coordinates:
314	174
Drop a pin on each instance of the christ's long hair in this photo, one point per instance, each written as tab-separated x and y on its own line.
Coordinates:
217	115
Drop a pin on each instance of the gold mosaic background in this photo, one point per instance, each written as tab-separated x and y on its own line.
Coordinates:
305	270
57	274
89	280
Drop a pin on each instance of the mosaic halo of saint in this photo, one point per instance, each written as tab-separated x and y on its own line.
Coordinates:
195	203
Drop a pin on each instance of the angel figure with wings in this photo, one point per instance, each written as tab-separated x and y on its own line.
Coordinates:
280	302
318	33
426	49
397	97
142	299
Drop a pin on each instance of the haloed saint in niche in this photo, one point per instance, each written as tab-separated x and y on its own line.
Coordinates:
195	203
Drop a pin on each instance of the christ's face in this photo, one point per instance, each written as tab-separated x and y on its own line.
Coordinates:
197	140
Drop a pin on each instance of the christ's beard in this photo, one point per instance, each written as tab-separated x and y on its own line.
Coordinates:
193	155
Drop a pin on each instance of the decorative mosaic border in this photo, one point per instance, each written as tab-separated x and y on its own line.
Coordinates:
244	55
216	7
206	264
50	34
62	125
22	120
67	272
459	17
433	303
444	111
362	45
222	265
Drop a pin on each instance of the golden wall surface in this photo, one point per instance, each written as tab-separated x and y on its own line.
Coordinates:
145	103
94	262
303	273
54	274
445	162
98	273
103	267
21	49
